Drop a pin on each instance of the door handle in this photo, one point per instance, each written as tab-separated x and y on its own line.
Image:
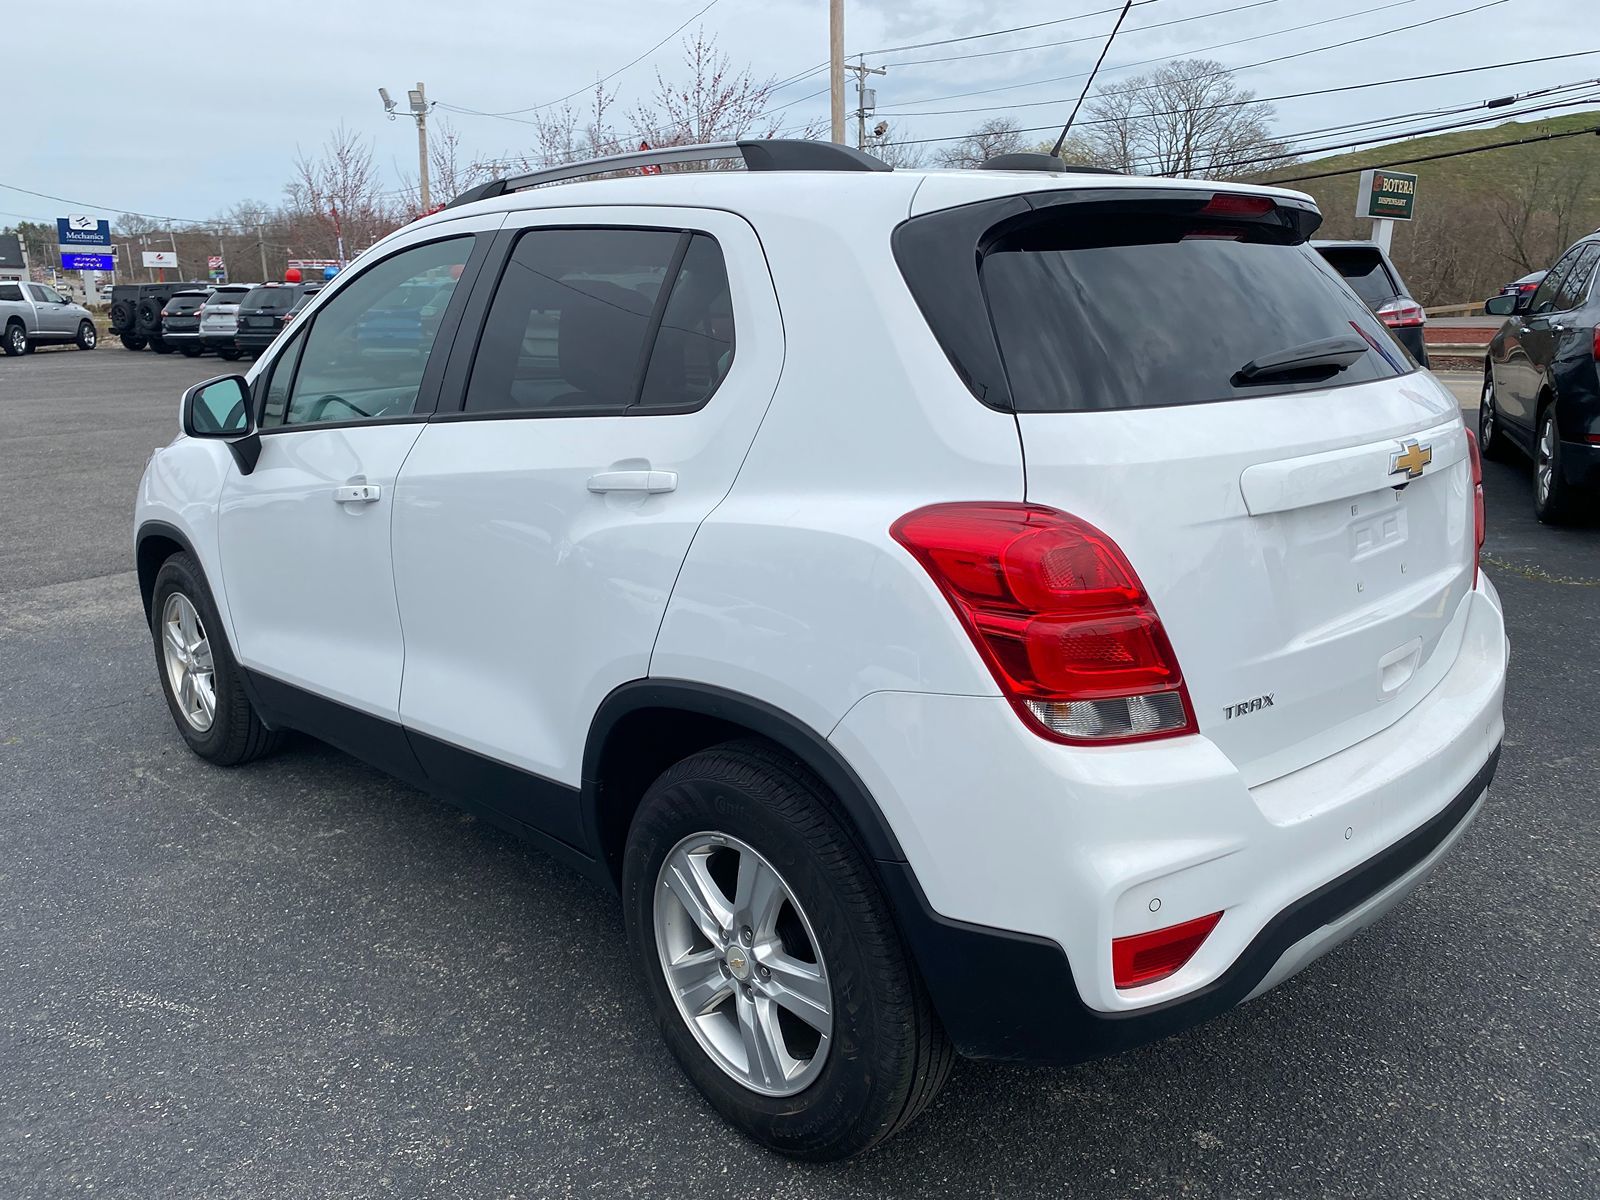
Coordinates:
649	482
357	493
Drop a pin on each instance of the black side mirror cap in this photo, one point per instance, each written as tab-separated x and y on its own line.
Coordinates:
1502	306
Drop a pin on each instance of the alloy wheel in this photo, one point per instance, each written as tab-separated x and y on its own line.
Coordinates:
742	964
19	340
186	653
1544	463
1486	425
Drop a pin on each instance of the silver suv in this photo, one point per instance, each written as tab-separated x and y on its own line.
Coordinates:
219	319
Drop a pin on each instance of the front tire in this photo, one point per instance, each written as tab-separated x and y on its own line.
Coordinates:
772	961
1492	442
201	680
87	337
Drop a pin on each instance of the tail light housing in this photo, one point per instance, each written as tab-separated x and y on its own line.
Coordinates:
163	312
1147	957
1058	615
1479	517
1401	313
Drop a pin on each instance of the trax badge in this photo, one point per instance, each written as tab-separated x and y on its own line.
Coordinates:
1245	707
1410	459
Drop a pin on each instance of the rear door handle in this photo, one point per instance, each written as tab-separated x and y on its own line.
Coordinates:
357	493
650	482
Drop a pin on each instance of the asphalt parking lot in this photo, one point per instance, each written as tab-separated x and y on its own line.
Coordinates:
301	979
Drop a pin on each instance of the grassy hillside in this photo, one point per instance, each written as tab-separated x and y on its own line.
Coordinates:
1481	218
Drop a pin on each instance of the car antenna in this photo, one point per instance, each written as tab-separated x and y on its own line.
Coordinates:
1055	151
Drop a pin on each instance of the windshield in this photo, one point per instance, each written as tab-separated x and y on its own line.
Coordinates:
1363	270
1118	309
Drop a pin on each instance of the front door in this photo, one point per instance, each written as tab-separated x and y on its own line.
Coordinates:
305	535
619	380
55	318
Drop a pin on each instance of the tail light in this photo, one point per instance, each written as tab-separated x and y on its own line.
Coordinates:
1597	343
1400	313
1234	204
163	312
1058	615
1479	521
1147	957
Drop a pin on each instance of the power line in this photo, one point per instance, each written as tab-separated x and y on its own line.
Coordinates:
1349	87
11	187
1420	158
511	112
1094	37
972	37
1226	70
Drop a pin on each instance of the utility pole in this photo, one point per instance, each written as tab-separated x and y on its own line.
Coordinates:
866	98
836	67
418	98
173	238
262	246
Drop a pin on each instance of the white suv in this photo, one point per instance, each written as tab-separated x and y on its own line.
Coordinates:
1014	613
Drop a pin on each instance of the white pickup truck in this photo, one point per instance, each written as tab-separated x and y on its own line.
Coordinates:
32	314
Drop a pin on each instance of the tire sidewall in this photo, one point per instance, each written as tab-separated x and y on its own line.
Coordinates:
86	335
180	573
10	344
829	1110
1488	426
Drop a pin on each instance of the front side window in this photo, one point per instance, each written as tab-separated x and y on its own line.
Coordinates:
50	295
1544	299
365	353
275	404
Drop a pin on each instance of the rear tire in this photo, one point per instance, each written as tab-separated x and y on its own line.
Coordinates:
87	337
130	342
159	346
1492	443
199	676
229	355
1554	499
15	341
190	351
884	1057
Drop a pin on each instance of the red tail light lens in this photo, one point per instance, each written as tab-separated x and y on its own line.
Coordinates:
1400	313
1147	957
1479	518
1058	615
163	312
1232	204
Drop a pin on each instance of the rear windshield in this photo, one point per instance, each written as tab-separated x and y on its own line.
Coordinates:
1118	309
227	297
269	300
1363	270
179	305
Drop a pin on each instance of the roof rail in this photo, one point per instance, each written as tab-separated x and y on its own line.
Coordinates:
759	154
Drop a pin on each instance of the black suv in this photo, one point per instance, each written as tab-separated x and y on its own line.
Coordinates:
1368	270
180	321
136	312
1541	385
263	313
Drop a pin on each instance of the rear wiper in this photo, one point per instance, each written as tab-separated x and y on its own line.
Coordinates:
1325	357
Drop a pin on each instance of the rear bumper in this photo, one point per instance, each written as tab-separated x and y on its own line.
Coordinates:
180	335
255	341
213	340
1580	464
1026	859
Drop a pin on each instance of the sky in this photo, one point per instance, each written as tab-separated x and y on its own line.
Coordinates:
249	86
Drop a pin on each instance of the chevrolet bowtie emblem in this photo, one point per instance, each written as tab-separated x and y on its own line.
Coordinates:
1410	460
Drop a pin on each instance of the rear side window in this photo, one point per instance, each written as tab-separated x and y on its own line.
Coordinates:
1146	304
1576	284
1364	271
598	320
10	291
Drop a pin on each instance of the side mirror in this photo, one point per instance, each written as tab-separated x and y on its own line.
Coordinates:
1501	306
220	408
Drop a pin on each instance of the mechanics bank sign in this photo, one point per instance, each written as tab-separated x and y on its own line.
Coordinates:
80	230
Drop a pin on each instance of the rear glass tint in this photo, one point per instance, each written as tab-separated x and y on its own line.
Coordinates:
1119	309
181	305
269	300
1363	270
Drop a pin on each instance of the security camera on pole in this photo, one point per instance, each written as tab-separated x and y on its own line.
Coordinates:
418	99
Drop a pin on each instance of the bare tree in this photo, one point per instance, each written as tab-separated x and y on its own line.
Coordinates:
716	103
882	144
338	190
997	135
1184	118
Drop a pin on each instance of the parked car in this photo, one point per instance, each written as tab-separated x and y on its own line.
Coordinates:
1523	288
34	314
180	321
105	293
307	294
939	665
262	314
136	313
1373	275
219	319
1541	389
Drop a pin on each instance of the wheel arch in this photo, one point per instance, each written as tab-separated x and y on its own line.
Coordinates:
645	726
156	542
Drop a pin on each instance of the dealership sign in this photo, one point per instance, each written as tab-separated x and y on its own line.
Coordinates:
80	231
1387	195
160	258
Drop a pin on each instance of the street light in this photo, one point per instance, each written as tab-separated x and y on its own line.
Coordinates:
419	112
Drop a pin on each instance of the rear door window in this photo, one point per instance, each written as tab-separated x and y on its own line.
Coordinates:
1576	284
1118	309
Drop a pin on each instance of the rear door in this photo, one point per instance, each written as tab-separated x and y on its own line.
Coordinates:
1305	532
626	358
1550	333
